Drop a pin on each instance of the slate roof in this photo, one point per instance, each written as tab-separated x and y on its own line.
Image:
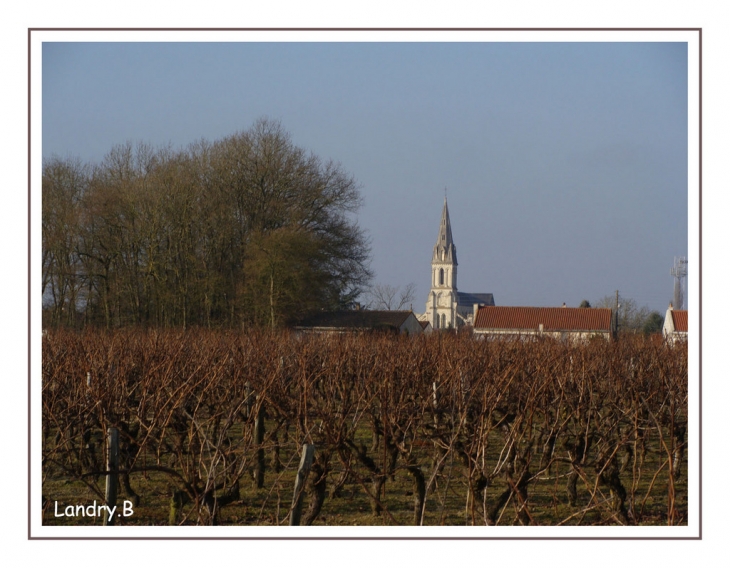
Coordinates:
680	320
552	319
356	319
469	299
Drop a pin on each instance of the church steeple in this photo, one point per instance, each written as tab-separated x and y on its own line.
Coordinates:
445	250
442	303
446	307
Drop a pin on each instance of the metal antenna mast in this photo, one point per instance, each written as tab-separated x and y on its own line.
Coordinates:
679	271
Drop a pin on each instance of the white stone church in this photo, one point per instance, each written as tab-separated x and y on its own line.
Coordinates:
446	307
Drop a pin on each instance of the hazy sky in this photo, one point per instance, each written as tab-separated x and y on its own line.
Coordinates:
565	163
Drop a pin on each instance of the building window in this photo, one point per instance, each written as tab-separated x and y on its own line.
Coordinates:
441	277
443	321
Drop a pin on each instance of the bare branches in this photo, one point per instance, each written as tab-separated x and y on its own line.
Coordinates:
248	230
387	297
418	430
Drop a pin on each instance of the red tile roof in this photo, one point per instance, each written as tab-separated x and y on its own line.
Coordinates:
679	318
552	319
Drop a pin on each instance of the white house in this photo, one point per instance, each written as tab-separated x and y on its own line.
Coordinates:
574	324
675	325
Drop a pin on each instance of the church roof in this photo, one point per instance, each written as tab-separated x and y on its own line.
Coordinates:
445	248
469	299
552	319
356	319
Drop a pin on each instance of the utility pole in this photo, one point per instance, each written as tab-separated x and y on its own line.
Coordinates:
615	327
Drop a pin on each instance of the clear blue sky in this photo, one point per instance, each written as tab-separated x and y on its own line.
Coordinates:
565	163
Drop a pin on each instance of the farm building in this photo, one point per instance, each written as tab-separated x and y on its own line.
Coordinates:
361	320
675	325
578	324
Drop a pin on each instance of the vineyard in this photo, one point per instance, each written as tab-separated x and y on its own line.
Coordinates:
428	430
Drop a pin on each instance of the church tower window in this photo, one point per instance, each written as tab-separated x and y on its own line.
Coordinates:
441	277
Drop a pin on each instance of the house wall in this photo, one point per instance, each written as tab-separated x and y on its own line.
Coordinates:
523	334
677	336
412	326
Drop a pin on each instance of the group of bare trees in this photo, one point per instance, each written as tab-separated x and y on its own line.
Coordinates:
388	297
419	430
632	318
247	229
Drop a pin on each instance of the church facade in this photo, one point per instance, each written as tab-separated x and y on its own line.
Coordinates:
446	307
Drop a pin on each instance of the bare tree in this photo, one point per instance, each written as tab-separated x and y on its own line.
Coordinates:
631	317
64	185
387	297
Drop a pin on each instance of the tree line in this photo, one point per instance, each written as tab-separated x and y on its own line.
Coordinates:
247	230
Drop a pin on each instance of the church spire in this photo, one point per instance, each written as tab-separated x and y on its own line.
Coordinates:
445	249
443	301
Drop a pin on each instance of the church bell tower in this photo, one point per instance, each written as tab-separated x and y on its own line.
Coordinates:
441	307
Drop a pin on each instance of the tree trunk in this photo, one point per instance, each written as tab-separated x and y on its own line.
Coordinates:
419	493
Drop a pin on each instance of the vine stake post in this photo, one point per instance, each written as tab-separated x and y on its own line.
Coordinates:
305	465
112	475
258	439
